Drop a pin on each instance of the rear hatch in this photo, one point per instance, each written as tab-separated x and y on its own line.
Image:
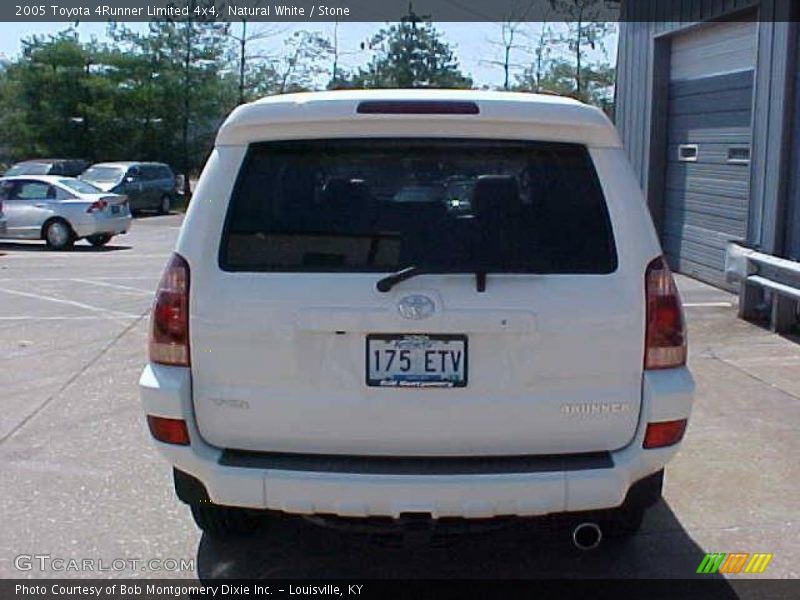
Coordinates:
417	297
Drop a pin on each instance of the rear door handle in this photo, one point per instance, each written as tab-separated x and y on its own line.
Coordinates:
40	205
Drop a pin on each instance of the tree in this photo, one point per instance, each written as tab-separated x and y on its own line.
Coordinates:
250	65
157	95
411	54
510	27
304	61
56	99
194	92
339	77
559	78
583	30
542	49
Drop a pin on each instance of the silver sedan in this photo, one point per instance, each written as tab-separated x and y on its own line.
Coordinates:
61	210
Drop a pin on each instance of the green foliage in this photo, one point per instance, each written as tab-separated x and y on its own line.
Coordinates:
153	96
306	58
562	62
53	97
177	87
162	93
411	54
558	77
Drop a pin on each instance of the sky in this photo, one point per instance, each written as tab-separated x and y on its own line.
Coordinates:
475	44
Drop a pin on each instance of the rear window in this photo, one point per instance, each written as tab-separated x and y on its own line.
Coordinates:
381	205
103	174
82	187
31	168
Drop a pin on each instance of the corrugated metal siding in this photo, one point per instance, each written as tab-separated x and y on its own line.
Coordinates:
696	222
642	20
793	212
706	201
713	50
772	125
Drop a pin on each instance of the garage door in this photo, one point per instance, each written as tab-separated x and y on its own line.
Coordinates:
708	146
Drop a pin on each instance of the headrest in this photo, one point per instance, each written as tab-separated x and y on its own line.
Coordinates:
342	191
495	195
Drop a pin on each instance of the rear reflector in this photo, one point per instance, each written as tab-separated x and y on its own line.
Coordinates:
169	322
667	433
169	431
417	107
665	340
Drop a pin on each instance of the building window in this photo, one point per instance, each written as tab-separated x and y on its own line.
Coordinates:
739	155
687	152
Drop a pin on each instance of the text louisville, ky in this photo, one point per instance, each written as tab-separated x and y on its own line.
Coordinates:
210	591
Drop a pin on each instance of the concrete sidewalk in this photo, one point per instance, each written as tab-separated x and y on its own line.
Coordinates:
736	481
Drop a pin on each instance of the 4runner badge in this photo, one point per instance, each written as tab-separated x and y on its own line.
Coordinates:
416	307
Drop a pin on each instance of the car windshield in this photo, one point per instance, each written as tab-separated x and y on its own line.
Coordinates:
82	187
32	168
439	205
103	174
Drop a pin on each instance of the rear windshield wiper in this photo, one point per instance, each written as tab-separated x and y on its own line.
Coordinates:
387	283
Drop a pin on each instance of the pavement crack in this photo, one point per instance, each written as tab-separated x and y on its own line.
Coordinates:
89	364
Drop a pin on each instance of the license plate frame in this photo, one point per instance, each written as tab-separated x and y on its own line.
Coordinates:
416	380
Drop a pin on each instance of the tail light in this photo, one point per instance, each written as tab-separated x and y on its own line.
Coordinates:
169	322
96	206
665	340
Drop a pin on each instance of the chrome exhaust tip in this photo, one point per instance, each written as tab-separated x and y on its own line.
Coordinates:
587	536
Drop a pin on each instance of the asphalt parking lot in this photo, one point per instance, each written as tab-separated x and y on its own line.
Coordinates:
80	479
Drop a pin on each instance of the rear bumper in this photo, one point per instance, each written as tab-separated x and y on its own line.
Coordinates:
537	489
103	225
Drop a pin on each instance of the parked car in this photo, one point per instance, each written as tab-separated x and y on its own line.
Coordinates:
148	185
61	210
3	220
320	347
68	167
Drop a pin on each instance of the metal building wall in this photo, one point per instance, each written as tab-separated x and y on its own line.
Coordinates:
793	208
642	92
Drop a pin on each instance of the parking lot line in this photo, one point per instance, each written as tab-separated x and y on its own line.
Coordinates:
708	304
114	285
72	379
101	278
84	318
96	309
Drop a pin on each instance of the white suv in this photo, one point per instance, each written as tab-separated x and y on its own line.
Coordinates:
425	302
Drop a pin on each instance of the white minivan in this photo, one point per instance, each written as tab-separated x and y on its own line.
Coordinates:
418	303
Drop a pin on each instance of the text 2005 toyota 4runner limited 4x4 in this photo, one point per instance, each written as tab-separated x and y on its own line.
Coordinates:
438	303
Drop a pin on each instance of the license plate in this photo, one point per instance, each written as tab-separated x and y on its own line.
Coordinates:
115	210
416	360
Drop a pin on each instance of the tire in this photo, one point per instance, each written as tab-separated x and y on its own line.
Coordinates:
100	239
58	235
623	523
164	205
224	521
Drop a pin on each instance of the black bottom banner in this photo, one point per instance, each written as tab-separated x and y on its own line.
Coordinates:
646	589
